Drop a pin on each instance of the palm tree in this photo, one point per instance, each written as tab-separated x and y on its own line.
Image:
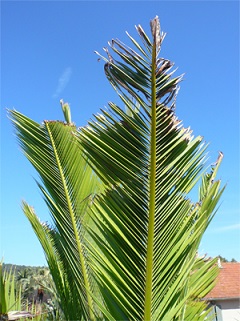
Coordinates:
124	236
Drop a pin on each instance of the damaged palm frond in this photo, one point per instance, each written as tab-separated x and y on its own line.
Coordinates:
149	230
133	75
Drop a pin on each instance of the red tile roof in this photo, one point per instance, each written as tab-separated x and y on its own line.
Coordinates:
228	282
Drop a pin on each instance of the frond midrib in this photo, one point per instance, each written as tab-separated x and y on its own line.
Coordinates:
152	194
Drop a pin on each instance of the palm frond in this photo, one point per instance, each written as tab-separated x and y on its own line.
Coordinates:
149	228
68	186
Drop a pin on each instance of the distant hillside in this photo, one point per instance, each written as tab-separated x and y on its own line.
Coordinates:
36	269
18	268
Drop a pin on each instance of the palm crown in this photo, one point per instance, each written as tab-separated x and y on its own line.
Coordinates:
125	234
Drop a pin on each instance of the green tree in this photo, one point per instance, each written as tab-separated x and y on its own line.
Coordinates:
233	260
23	280
125	233
222	259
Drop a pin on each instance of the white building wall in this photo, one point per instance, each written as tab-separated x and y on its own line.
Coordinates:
230	309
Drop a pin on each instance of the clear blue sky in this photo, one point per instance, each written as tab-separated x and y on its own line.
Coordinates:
47	52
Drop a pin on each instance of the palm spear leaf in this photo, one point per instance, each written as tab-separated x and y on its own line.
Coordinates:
148	228
68	186
10	294
3	303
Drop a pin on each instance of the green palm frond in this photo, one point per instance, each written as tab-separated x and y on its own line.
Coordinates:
148	228
68	185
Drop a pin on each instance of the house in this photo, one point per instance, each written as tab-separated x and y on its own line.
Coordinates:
225	296
19	315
